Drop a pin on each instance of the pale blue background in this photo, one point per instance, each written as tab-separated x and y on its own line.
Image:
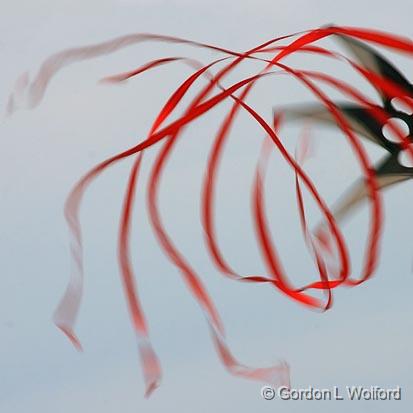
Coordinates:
365	339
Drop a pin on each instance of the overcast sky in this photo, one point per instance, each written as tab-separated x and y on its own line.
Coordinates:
366	338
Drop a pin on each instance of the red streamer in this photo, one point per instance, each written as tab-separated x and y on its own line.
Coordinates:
211	94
